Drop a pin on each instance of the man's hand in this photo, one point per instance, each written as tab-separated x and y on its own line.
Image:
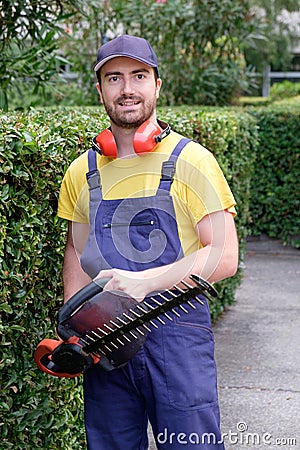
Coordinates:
133	284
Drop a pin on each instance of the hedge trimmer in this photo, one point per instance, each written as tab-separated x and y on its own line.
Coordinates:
108	327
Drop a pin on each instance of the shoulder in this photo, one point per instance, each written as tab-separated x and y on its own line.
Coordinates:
196	153
193	153
192	150
80	166
80	163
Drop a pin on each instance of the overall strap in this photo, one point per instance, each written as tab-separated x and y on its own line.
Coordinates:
168	168
93	176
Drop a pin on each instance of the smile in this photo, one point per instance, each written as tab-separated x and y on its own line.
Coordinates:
129	103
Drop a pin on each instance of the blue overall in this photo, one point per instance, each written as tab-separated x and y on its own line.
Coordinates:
171	381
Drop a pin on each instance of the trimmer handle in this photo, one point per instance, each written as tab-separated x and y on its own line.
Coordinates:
65	357
81	297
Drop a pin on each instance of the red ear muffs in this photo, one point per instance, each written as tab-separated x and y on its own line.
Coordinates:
106	143
146	138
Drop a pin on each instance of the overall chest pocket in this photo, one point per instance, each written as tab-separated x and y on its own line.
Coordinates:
137	234
131	242
136	230
131	235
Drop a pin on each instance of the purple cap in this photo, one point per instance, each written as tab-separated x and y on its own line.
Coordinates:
130	46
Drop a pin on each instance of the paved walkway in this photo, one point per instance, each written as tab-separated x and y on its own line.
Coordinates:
258	353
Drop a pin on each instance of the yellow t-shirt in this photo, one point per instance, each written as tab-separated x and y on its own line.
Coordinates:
199	187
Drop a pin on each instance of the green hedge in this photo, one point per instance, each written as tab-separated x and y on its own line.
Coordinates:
275	186
284	90
39	411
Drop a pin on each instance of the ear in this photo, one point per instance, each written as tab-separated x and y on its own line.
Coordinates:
99	91
158	86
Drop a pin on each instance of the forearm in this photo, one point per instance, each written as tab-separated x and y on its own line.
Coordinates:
209	263
74	278
216	260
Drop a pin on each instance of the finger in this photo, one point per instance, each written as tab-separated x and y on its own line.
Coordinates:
106	273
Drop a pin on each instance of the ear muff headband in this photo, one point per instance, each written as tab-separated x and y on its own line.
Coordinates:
146	138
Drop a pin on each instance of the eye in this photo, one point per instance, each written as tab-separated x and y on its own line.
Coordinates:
140	76
113	79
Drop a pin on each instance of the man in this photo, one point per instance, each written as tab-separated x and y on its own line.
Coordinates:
146	209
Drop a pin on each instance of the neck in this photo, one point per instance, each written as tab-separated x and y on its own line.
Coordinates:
124	140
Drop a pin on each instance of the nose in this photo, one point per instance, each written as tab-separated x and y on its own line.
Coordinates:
127	86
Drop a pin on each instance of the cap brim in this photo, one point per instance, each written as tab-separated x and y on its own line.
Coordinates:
105	60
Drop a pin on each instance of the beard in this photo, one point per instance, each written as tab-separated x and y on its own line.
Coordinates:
130	119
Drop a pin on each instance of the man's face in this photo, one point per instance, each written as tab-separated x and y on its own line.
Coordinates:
128	91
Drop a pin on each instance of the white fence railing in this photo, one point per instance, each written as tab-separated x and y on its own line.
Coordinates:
268	76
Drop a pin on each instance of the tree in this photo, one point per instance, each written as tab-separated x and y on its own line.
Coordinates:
88	30
200	44
28	42
273	46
